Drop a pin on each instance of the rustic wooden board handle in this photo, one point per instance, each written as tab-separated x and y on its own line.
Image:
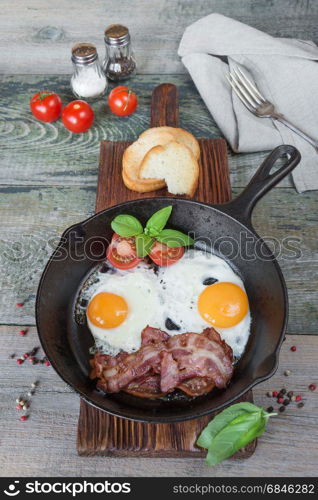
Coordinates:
165	106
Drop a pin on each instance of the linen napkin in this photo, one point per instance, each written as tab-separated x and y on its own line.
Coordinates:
284	70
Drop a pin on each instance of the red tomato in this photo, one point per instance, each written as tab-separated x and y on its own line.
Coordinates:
77	116
162	255
46	106
122	101
121	252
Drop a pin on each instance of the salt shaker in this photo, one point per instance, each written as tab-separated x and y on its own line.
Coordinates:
88	80
119	63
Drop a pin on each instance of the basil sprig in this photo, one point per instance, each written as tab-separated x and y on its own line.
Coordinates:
231	430
128	225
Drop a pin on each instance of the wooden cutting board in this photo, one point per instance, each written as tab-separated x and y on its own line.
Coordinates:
99	433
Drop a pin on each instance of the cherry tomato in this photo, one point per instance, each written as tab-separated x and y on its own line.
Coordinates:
121	252
162	255
46	106
77	116
122	101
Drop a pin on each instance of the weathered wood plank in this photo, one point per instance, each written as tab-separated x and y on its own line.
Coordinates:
35	153
47	30
33	219
45	444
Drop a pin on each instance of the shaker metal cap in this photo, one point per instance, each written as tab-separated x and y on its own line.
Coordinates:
117	34
84	53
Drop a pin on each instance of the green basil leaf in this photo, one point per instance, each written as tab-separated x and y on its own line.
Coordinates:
126	225
157	221
221	420
231	430
235	436
174	239
144	244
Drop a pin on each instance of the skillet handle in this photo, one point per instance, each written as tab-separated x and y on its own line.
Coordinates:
241	208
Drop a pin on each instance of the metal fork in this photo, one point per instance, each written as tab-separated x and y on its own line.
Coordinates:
258	105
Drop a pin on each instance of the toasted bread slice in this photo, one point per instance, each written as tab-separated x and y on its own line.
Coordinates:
132	159
142	185
176	164
179	135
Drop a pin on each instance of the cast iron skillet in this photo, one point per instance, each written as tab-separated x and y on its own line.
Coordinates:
227	226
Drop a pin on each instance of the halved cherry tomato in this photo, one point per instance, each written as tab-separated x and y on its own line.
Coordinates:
46	106
162	255
121	252
122	101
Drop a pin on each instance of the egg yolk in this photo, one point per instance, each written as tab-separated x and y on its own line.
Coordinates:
107	310
223	304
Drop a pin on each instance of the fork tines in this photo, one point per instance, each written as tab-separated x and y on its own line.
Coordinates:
245	89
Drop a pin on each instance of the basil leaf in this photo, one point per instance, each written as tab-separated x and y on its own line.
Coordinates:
174	239
126	225
221	420
144	244
157	221
234	436
231	430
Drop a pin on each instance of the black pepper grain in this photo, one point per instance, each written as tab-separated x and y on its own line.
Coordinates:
282	408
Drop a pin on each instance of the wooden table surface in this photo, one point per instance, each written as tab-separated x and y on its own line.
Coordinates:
48	181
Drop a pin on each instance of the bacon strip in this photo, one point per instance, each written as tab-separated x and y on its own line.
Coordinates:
191	362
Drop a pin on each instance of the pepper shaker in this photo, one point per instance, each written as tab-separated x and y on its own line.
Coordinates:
119	63
88	80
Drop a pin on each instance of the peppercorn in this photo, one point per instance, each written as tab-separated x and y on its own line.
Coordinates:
34	384
287	373
300	405
283	391
290	394
19	361
280	400
275	394
286	402
298	398
269	394
18	407
312	387
19	304
47	363
293	348
270	409
293	398
24	418
32	359
25	407
30	393
282	408
22	332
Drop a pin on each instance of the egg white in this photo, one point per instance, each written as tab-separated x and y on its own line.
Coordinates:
171	293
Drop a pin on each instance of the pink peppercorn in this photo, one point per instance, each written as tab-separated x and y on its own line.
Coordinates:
19	361
293	348
22	332
47	363
19	304
275	394
18	407
24	418
280	400
298	398
312	387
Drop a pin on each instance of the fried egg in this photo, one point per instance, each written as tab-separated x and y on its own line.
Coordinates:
202	290
198	291
120	307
